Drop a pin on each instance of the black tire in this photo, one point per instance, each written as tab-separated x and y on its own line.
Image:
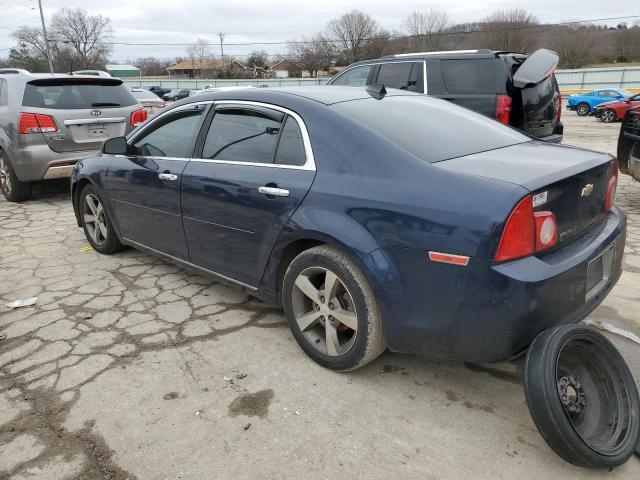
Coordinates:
13	189
583	109
570	373
608	116
369	342
106	244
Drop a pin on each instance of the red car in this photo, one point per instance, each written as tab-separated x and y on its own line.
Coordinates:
611	111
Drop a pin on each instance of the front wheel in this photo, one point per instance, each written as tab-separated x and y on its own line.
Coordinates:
13	189
96	223
331	310
608	116
583	109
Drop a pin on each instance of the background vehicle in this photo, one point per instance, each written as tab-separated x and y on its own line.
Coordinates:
93	73
176	94
158	90
151	103
585	103
611	111
516	89
48	122
629	144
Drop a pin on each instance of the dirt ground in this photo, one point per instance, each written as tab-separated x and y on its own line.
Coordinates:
131	368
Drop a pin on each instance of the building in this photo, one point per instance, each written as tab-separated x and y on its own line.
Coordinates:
209	67
123	71
287	69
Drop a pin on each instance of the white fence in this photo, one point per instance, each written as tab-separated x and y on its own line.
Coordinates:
584	78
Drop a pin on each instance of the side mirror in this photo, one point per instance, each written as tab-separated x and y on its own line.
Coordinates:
115	146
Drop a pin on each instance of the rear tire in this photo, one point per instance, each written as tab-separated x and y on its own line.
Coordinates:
13	189
608	116
583	109
331	310
96	222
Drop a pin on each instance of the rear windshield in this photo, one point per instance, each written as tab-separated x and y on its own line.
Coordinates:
76	94
430	129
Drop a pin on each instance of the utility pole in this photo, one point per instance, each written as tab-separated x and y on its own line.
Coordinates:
46	39
221	35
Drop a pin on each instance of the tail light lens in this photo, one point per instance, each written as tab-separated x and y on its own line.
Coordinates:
503	109
36	123
138	117
611	188
526	232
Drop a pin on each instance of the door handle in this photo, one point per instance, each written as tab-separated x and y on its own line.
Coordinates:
167	176
273	191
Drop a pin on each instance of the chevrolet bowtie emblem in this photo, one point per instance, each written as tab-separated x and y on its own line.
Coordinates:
587	190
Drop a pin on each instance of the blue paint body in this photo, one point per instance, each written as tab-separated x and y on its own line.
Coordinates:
596	97
386	210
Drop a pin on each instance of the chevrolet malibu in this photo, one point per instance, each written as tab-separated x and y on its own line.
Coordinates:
376	219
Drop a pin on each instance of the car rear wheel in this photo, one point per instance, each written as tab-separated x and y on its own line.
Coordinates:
13	189
331	310
96	223
608	116
582	397
583	109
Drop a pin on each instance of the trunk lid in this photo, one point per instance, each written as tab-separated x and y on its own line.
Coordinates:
87	111
536	95
569	182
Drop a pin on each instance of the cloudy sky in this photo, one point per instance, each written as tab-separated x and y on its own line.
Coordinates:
181	21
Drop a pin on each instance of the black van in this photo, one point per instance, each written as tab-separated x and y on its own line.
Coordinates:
629	144
517	89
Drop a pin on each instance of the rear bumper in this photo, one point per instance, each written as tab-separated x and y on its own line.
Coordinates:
486	312
39	162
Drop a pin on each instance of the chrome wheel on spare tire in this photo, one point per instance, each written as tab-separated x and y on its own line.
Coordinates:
608	116
582	397
96	223
331	309
583	109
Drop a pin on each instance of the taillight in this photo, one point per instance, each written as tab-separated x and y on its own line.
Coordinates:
503	109
546	230
526	232
138	117
611	188
517	239
36	123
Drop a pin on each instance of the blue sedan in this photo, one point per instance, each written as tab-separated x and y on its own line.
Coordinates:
585	103
376	219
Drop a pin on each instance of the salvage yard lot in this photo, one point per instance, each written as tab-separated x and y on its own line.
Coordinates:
129	367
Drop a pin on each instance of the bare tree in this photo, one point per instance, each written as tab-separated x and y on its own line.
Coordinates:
198	52
152	66
574	43
317	53
426	28
31	50
258	59
511	30
352	31
85	34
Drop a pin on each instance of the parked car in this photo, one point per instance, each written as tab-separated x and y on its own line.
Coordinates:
151	103
176	94
48	122
93	73
629	143
586	103
516	89
158	90
611	111
388	219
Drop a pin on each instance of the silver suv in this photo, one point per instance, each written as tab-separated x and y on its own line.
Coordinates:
49	122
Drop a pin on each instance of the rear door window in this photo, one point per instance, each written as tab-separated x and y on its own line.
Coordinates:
354	77
76	94
469	76
401	75
290	147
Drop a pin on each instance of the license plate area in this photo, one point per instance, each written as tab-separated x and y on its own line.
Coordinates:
599	272
97	130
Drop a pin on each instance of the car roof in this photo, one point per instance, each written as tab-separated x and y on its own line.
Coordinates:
324	94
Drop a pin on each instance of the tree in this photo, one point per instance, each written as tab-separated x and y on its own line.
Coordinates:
198	52
85	34
31	51
426	28
352	31
258	59
314	54
511	30
574	43
152	66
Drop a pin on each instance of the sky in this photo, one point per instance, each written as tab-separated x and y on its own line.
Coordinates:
181	21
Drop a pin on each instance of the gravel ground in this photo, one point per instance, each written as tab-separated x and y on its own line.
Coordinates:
131	368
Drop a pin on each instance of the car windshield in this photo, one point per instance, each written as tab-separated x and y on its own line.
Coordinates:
430	129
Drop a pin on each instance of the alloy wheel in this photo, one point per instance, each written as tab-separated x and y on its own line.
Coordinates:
5	181
608	116
94	219
325	311
583	109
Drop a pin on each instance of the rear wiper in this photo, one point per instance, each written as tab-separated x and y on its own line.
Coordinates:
105	104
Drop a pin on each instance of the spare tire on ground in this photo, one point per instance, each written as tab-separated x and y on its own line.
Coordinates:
582	396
